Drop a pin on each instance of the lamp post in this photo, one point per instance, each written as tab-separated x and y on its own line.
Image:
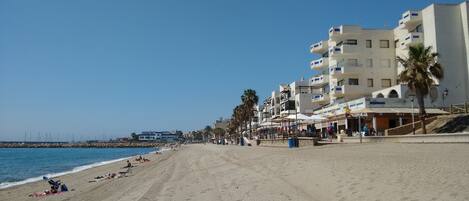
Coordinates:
443	96
413	120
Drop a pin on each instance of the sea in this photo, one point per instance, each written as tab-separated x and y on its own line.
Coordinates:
24	165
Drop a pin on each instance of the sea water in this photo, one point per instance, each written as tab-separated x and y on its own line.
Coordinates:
24	165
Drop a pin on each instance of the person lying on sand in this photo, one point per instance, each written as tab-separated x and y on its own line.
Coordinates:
56	187
139	158
109	176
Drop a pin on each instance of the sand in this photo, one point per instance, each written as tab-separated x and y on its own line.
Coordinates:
331	172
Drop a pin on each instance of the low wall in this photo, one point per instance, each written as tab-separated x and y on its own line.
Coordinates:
405	129
303	141
428	138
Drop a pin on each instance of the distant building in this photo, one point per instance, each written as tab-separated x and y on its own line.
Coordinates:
166	136
221	123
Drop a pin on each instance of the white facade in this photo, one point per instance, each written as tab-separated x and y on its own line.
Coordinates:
445	28
359	61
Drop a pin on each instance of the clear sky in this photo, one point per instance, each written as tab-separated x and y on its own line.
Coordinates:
99	69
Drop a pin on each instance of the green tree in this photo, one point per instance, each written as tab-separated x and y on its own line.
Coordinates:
207	132
219	132
249	100
420	69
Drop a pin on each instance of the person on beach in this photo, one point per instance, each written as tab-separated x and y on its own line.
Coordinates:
129	165
366	130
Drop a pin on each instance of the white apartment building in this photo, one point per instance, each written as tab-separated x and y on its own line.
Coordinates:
357	61
445	28
296	96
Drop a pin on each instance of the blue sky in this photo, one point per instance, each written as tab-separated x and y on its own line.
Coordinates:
99	69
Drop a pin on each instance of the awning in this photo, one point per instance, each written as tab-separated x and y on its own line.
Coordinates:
398	111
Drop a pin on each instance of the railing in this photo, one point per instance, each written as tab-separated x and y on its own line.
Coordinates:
459	108
407	128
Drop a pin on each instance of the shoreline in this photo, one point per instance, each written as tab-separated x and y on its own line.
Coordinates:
7	185
81	145
368	172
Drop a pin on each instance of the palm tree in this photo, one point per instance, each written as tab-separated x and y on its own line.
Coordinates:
420	70
249	99
237	119
207	131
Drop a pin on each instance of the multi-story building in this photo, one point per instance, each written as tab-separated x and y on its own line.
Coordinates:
445	28
296	97
357	61
159	136
275	104
221	123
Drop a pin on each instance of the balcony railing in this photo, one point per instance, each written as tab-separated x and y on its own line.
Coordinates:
320	80
319	63
341	71
335	31
411	39
342	50
320	98
410	19
319	47
335	50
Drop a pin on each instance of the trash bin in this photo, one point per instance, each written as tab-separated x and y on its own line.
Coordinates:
291	142
241	141
258	142
297	142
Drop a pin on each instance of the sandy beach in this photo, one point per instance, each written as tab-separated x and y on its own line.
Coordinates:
332	172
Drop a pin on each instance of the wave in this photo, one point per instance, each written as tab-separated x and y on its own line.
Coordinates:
74	170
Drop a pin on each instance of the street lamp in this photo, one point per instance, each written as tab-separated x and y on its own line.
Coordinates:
443	96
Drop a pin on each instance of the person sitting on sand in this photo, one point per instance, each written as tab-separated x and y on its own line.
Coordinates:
129	165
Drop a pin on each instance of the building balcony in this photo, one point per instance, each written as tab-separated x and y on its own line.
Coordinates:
344	49
341	72
346	90
342	32
284	113
411	39
335	32
410	19
319	48
320	98
319	63
320	80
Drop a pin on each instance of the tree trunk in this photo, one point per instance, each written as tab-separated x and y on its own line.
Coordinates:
250	127
422	113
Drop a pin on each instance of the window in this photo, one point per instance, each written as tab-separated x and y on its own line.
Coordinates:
369	63
384	43
351	42
353	81
369	44
352	62
370	82
385	82
386	63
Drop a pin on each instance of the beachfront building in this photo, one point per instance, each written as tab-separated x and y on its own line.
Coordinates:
445	28
166	136
363	73
295	98
354	62
385	109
